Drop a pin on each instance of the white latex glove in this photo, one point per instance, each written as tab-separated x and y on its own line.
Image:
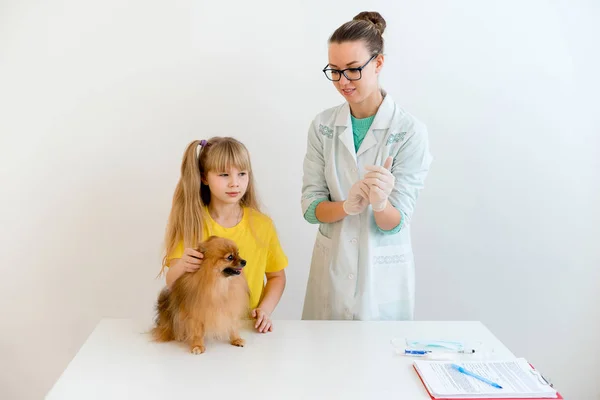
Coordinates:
381	183
358	199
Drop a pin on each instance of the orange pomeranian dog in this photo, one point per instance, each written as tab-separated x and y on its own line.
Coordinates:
210	302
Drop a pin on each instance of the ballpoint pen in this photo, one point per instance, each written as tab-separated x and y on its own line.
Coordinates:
418	352
410	352
481	378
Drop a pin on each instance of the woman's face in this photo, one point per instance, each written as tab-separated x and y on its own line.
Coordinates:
353	55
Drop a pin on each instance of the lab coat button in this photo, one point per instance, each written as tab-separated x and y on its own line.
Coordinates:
351	276
354	241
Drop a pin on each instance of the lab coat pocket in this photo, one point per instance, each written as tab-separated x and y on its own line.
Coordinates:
323	245
317	304
394	274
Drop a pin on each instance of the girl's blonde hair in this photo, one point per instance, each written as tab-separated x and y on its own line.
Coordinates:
187	219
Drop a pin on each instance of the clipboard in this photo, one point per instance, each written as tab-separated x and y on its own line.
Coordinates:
558	395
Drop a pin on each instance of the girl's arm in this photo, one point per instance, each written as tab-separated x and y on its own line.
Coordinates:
273	291
272	295
189	262
174	272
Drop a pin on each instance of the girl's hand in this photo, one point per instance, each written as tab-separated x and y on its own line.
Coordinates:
190	260
263	321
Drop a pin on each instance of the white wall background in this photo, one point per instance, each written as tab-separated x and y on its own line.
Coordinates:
99	99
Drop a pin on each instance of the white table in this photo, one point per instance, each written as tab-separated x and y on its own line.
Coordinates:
299	360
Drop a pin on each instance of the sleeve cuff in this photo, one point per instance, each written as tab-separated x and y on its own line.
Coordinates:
310	214
396	229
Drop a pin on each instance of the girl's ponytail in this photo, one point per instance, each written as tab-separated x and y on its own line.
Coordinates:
186	217
191	217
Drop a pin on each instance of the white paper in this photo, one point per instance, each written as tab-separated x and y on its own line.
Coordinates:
516	377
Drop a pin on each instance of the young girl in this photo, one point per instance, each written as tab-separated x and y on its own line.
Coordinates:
215	196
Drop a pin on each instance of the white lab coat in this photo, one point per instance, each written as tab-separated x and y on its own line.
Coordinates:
358	272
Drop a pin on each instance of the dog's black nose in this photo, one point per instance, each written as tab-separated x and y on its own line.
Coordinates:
243	262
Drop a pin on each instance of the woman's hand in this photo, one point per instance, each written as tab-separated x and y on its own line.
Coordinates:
358	199
263	321
381	183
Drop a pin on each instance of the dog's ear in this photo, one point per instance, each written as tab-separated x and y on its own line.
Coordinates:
202	247
210	239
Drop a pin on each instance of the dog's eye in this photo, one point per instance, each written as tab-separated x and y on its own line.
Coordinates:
230	258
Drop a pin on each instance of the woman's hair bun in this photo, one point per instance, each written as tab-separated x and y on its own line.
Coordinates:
373	17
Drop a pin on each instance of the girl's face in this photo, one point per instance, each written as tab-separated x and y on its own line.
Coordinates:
354	55
227	187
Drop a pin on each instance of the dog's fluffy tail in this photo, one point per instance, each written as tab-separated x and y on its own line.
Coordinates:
163	329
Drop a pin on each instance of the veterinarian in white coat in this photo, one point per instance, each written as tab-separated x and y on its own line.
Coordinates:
362	264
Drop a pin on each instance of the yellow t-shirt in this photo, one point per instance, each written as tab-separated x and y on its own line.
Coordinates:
258	244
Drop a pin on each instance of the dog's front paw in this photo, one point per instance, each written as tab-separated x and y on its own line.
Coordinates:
198	349
239	342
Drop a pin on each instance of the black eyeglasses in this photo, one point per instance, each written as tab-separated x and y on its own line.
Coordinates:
352	74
